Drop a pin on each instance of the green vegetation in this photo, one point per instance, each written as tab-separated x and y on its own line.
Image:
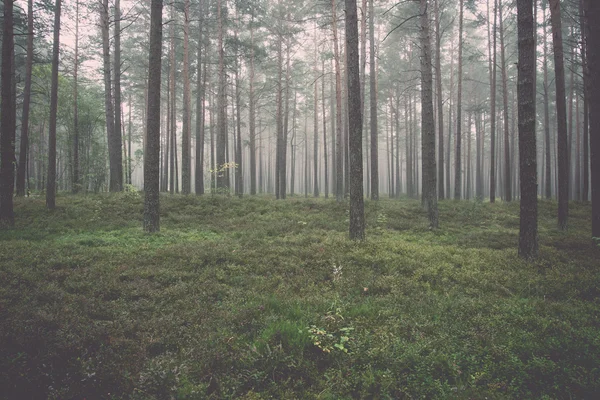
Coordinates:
255	298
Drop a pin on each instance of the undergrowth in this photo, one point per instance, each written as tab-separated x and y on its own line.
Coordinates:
256	298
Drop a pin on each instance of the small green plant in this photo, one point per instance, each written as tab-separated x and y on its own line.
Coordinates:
327	341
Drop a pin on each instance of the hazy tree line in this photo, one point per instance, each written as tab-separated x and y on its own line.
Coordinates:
257	97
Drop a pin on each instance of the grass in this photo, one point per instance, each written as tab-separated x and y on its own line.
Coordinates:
255	298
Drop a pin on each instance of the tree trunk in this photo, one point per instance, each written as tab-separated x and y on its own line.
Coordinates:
493	74
427	122
561	115
222	181
316	127
324	129
24	146
373	106
547	166
339	195
507	172
357	211
592	12
586	122
528	236
440	101
51	181
200	109
252	114
458	170
186	135
151	158
8	115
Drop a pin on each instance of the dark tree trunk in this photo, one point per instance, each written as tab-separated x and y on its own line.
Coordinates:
339	195
9	115
548	163
586	122
51	181
440	101
561	115
24	146
373	106
252	114
528	235
357	211
117	100
427	122
222	181
457	160
200	113
186	138
151	157
592	12
493	110
507	172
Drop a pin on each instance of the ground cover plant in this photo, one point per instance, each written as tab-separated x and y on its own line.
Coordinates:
256	298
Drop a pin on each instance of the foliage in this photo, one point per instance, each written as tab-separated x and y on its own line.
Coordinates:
229	299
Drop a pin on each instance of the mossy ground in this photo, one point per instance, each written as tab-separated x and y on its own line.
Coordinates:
256	298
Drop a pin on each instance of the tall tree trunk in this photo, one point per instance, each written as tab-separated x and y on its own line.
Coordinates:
222	181
503	68
151	157
252	114
339	195
200	109
427	122
440	101
373	106
239	176
458	170
51	181
528	236
357	209
592	12
586	122
8	116
117	101
24	145
114	136
316	127
186	135
561	115
286	115
547	166
324	129
493	73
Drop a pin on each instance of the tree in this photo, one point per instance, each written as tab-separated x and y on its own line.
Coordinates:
458	171
24	147
503	68
76	183
373	106
357	211
429	191
222	176
493	76
561	116
51	182
592	13
186	136
339	168
152	155
440	101
528	235
200	88
7	120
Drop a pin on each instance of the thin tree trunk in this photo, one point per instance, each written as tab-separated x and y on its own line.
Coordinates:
186	134
440	101
200	109
586	94
548	173
561	113
51	181
324	129
339	196
252	114
493	73
507	172
373	106
24	145
458	170
222	181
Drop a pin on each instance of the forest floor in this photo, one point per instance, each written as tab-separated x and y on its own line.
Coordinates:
256	298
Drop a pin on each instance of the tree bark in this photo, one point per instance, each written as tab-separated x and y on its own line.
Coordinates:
186	138
339	195
222	181
427	122
528	235
503	68
24	145
200	109
458	170
373	106
493	74
440	101
51	181
592	13
357	217
252	114
9	115
151	157
548	163
561	115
